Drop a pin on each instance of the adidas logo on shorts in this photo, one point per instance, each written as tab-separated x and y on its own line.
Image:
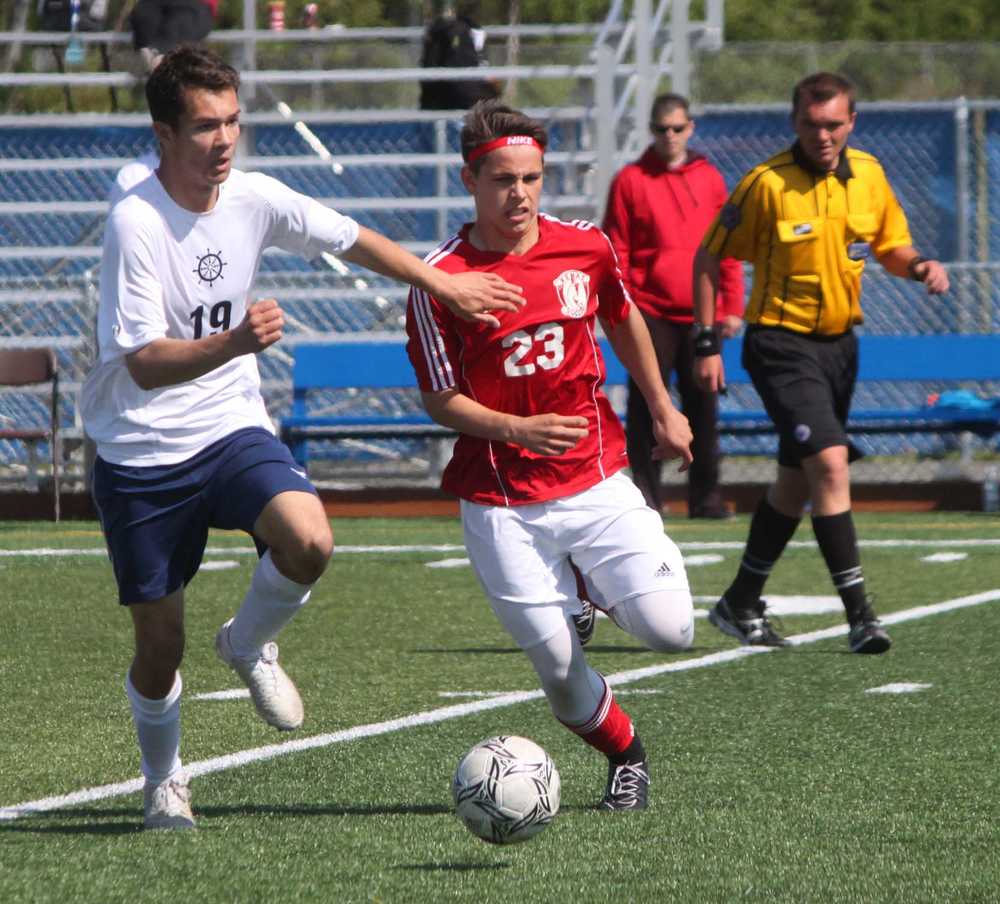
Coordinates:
663	571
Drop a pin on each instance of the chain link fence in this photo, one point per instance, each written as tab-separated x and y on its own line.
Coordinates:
398	173
59	311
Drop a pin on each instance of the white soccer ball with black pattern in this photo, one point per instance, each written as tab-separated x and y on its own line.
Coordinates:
506	789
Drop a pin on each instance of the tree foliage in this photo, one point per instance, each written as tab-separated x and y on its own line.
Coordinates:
746	20
862	20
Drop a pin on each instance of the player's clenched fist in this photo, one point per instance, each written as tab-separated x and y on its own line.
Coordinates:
261	327
549	434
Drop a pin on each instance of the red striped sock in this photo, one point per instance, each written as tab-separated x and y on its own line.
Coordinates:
609	730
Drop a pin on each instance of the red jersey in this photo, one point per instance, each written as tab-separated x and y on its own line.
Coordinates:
543	359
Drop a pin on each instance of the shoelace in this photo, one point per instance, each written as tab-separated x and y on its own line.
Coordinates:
172	791
628	781
867	613
268	655
265	670
767	621
867	622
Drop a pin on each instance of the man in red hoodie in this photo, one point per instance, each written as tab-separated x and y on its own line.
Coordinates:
658	210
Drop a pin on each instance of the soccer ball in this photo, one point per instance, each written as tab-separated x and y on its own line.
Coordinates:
506	789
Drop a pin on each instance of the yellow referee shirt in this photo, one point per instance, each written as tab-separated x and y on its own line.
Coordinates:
808	234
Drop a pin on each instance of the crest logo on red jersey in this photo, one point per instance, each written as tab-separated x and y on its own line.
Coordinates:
573	289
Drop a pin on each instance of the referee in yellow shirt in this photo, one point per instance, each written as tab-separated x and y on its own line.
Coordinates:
808	219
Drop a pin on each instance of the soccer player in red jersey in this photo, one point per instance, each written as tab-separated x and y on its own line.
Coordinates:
539	462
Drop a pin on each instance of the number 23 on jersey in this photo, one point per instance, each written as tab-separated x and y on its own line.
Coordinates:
544	348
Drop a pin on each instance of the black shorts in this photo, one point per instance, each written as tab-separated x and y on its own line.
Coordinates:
806	384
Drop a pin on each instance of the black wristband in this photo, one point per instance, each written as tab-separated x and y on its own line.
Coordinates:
706	343
911	268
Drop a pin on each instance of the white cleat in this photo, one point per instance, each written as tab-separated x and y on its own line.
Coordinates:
274	694
168	804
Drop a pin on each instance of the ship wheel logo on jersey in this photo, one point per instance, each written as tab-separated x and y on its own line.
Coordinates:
573	289
210	266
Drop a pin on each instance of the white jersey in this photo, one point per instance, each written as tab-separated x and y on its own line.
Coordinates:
131	174
168	272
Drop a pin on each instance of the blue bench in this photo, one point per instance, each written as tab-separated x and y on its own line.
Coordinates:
352	363
356	363
932	358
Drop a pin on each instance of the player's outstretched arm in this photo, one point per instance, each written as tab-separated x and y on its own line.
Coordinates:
543	434
167	362
907	263
470	296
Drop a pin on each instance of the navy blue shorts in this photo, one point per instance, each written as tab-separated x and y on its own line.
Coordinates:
156	519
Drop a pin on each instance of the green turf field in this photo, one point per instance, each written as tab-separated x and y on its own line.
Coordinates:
776	777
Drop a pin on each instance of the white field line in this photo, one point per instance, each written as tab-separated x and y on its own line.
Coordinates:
218	564
471	693
692	561
450	547
236	693
429	717
226	550
899	687
633	691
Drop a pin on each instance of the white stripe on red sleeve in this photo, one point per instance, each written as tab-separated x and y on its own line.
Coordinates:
438	366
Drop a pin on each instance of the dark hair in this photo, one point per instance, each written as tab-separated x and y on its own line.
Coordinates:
666	103
820	87
182	68
490	119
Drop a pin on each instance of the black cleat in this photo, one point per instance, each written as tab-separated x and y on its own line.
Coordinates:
585	622
867	635
753	631
628	787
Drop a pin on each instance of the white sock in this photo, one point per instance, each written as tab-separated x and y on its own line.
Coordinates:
158	725
269	605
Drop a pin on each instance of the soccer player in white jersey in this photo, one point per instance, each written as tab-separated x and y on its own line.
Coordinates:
538	463
184	442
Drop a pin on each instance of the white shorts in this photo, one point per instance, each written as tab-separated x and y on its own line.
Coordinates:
521	555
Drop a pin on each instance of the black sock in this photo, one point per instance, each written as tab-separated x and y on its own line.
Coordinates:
838	542
633	754
770	532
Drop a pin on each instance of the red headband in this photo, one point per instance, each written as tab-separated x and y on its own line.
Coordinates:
506	141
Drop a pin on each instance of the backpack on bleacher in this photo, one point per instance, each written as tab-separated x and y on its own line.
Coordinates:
56	15
450	41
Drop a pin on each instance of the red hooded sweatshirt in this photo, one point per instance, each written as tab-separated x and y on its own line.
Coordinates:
656	218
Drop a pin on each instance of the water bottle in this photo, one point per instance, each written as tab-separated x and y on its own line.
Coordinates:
991	490
75	54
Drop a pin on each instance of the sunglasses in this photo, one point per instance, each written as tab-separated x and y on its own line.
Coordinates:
662	130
